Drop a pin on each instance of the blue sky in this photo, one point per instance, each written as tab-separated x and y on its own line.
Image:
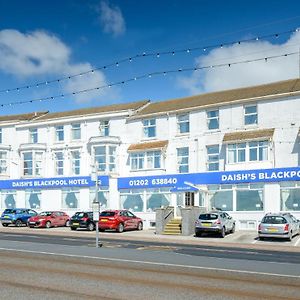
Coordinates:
49	40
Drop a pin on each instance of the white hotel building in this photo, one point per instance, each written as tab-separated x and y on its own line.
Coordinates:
238	150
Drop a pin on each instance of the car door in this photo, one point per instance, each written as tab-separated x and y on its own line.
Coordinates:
125	219
132	219
228	221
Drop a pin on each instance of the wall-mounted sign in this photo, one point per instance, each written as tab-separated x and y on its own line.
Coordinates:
181	181
52	183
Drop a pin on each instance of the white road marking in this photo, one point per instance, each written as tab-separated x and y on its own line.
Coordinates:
297	243
152	263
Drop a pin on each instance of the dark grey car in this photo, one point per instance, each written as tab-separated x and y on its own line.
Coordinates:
278	225
214	222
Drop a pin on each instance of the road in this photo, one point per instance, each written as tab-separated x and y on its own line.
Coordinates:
62	267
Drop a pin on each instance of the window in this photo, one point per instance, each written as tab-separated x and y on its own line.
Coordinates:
75	162
249	197
103	196
213	158
104	128
149	128
212	119
33	199
32	163
76	132
250	114
105	156
0	135
59	133
220	197
132	200
33	135
290	196
183	160
70	198
250	151
3	162
183	123
157	198
8	199
59	163
236	153
145	160
258	151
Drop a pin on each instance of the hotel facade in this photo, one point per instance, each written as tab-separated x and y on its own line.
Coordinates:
238	150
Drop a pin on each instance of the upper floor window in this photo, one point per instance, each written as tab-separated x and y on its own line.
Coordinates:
59	133
145	160
104	128
3	162
183	123
32	163
0	135
183	160
59	163
33	135
76	131
149	127
75	162
212	119
105	156
250	114
213	158
250	151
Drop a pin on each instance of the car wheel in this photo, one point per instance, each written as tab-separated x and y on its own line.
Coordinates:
4	225
233	228
91	227
19	223
140	226
223	233
261	238
290	236
48	224
120	227
67	223
73	228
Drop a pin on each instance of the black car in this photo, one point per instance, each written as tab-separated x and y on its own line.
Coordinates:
82	219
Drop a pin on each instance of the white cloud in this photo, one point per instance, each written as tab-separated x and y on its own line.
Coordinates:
241	75
39	53
111	18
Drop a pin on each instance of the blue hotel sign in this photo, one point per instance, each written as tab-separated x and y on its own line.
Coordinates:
182	181
52	183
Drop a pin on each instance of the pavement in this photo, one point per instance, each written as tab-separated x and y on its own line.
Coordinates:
240	239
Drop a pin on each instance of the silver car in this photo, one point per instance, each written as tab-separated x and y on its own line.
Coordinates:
214	222
280	225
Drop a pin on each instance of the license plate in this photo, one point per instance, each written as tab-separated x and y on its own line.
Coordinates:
32	223
272	229
6	217
76	224
103	220
206	224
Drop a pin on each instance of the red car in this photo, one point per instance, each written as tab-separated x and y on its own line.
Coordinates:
119	220
49	219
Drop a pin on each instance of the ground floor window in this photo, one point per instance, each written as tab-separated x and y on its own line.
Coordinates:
249	197
157	198
70	198
33	199
290	196
132	200
8	199
220	197
103	198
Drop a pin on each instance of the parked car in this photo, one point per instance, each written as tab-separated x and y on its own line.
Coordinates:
119	220
82	219
278	225
49	219
214	222
16	216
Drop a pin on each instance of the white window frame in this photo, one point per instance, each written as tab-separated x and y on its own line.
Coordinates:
106	161
33	135
146	160
75	162
180	158
248	115
210	118
76	131
59	133
261	148
59	163
149	124
1	136
3	162
213	158
236	149
183	123
36	163
104	128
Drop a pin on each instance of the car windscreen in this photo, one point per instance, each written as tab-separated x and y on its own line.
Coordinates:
9	211
46	213
208	217
80	215
274	220
107	214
